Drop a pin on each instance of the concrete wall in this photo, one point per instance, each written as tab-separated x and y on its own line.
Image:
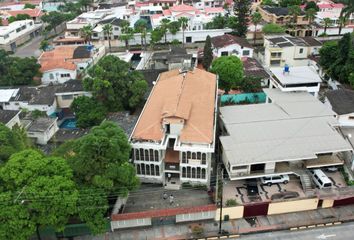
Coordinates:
130	223
55	76
13	122
292	206
346	120
195	216
233	212
64	100
327	203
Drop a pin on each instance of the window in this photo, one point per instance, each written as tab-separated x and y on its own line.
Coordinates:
198	172
151	152
157	170
199	155
194	155
138	171
184	157
65	75
143	169
301	50
115	37
137	155
152	168
203	158
189	155
193	173
351	117
156	155
246	52
147	169
224	53
188	39
146	155
184	173
188	172
67	97
203	173
235	168
141	154
51	76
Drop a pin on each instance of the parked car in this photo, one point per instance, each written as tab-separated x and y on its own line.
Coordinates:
269	180
252	187
320	179
331	169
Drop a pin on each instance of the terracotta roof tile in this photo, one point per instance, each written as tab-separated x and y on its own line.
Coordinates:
190	98
228	39
31	12
60	57
182	8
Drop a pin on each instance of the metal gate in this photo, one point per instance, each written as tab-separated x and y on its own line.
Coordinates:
255	209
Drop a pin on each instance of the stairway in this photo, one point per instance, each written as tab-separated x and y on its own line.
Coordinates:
306	180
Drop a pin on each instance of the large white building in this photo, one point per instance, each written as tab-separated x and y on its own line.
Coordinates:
17	33
174	139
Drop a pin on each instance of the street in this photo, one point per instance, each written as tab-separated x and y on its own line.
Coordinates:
340	232
30	49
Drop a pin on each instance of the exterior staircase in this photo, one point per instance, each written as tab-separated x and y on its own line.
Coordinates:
306	181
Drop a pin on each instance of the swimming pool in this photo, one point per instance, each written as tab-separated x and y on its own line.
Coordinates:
69	123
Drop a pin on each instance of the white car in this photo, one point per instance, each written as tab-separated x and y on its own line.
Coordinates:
269	180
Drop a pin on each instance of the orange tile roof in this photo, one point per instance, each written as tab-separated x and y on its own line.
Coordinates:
190	99
60	57
182	8
31	12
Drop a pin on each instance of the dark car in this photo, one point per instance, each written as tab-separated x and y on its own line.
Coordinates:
252	187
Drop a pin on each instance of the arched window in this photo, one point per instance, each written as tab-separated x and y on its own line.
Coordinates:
193	173
151	157
141	154
188	172
199	155
156	155
138	171
203	173
152	169
142	169
193	155
184	158
137	155
184	173
147	169
157	170
188	155
198	172
146	155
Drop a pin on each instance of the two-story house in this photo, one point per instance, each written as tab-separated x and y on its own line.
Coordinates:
174	139
229	45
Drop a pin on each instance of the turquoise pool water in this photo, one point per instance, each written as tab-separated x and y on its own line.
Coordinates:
69	123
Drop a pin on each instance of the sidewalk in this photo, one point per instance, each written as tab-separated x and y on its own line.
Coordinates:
239	226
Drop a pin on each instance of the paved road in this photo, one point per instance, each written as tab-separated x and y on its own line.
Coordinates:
30	49
340	232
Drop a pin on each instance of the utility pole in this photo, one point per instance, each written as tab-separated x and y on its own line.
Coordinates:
221	200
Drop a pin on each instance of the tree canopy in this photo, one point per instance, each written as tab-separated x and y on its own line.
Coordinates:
288	3
207	53
114	85
12	141
17	71
101	168
272	28
230	72
88	111
36	191
242	9
337	58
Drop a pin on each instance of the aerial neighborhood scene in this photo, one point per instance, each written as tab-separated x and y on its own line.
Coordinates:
176	119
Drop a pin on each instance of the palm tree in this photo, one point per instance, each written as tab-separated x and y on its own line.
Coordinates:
346	12
174	27
140	27
86	32
184	24
107	30
295	11
342	20
165	26
311	14
256	19
327	22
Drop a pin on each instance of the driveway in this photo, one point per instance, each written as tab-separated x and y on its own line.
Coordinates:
30	49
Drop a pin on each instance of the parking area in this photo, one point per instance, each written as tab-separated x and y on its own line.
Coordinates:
151	197
241	191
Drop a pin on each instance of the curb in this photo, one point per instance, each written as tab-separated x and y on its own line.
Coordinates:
315	226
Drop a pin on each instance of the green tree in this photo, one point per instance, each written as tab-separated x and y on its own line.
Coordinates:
268	3
310	14
156	36
17	71
229	70
38	191
183	21
174	27
165	26
218	22
294	11
108	30
29	6
288	3
21	16
127	33
113	83
71	7
12	141
328	53
11	19
250	84
326	22
86	32
342	20
256	18
231	22
44	45
348	9
85	4
141	27
242	9
88	111
272	28
312	5
101	169
55	18
207	53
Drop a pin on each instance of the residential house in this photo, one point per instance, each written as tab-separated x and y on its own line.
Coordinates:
252	68
67	92
176	58
281	16
18	33
98	33
10	118
6	95
280	50
35	13
64	63
341	101
174	139
229	45
41	130
294	79
291	133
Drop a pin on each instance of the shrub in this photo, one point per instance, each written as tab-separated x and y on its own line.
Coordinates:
231	203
